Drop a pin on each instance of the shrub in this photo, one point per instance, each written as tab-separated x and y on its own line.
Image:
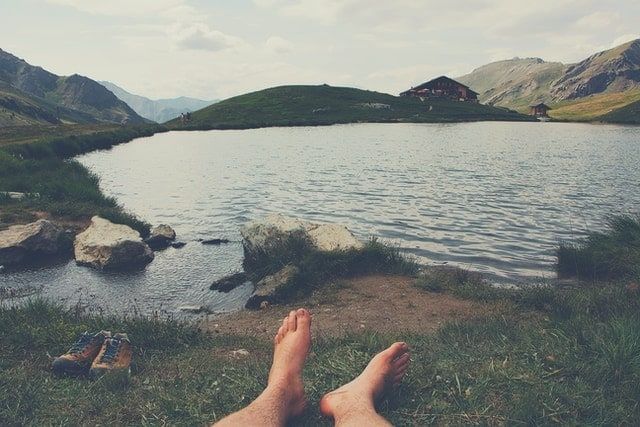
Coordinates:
611	254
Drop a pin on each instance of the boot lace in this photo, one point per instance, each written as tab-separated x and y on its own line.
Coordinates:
81	344
113	347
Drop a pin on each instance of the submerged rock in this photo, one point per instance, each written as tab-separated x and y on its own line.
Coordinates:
214	241
267	288
178	245
104	245
194	309
40	238
228	283
160	237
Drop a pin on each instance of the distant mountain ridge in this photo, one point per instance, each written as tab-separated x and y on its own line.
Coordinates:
158	110
517	83
31	94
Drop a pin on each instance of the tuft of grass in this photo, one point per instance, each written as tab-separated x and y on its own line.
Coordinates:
611	254
316	268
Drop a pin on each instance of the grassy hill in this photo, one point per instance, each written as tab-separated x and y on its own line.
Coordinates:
629	114
594	106
323	105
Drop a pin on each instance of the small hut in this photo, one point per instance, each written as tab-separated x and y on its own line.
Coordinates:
540	110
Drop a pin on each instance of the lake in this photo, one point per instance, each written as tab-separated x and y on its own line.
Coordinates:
491	197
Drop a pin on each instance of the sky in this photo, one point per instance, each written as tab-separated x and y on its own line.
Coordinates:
217	49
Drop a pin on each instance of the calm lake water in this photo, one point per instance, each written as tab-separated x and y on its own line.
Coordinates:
492	197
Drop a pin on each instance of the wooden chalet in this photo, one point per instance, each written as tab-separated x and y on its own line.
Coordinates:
540	110
443	87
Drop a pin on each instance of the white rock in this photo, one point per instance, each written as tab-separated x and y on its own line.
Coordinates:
21	241
105	245
260	234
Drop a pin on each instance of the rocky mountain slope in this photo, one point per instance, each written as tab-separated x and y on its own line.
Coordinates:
517	83
158	110
27	92
614	70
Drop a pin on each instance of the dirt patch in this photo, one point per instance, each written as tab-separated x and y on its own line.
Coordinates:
386	304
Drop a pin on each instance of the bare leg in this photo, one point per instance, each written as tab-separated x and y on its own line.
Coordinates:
353	404
284	396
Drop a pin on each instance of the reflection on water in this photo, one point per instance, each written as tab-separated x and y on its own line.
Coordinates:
493	197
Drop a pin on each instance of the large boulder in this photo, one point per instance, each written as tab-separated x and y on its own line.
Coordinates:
269	232
18	243
160	237
267	289
105	245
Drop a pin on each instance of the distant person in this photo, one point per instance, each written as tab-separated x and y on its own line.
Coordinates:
352	404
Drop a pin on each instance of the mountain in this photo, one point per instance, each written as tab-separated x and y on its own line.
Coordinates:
514	83
158	110
18	109
614	70
517	83
323	105
28	91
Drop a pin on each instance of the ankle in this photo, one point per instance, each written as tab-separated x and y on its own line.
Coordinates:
344	406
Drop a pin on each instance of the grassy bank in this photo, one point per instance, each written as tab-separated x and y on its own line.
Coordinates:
575	360
60	187
611	254
594	107
325	105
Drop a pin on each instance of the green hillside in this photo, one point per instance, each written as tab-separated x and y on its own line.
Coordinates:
629	114
594	106
323	105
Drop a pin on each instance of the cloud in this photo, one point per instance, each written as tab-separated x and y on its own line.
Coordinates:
199	36
278	45
624	39
119	7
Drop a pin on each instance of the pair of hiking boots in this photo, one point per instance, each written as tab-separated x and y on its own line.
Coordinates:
97	354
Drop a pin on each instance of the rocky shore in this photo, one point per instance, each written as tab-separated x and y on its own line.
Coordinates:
101	244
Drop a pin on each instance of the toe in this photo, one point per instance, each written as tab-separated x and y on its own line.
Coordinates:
291	322
285	325
395	350
279	335
403	359
303	320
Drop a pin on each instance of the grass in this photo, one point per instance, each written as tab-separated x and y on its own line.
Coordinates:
629	114
324	105
611	254
317	268
566	365
594	107
65	188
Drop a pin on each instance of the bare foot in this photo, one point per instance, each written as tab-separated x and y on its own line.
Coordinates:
292	343
382	375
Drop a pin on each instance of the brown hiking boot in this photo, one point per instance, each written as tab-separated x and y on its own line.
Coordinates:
114	357
78	359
